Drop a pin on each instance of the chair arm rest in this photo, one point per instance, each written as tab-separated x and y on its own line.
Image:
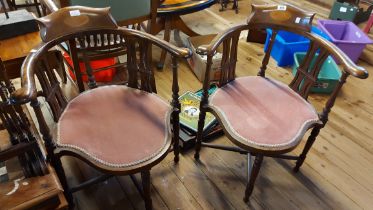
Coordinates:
28	91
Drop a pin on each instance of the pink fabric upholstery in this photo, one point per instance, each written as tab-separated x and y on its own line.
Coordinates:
262	113
115	125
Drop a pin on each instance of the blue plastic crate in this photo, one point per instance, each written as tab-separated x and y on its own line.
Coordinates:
287	43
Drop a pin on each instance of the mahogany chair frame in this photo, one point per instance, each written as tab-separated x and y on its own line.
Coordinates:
306	76
140	77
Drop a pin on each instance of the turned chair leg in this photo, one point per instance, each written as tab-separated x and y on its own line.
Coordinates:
176	149
57	164
145	179
311	139
254	173
201	124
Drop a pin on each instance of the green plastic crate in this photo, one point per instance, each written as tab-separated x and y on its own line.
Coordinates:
328	76
343	11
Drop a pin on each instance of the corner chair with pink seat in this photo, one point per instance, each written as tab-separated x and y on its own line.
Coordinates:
260	115
116	129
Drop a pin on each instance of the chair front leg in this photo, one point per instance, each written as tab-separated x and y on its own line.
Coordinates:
254	173
57	164
145	179
311	139
201	124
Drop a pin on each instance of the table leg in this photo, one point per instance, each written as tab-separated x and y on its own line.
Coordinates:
235	6
172	23
4	8
37	8
167	31
178	23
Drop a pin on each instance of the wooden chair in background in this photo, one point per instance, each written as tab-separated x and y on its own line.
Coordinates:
4	8
262	116
14	5
147	12
127	13
22	141
117	129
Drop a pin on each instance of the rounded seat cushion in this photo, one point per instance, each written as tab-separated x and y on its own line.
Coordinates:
116	126
263	114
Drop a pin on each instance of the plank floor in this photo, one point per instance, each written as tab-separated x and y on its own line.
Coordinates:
337	173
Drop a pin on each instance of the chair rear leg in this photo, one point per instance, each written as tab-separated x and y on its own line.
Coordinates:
201	124
145	179
311	139
176	147
254	173
57	164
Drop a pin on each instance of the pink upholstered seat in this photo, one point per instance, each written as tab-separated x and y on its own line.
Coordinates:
116	126
262	113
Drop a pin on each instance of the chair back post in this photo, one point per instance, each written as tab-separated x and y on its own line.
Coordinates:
50	86
324	116
83	49
267	55
76	66
206	83
229	58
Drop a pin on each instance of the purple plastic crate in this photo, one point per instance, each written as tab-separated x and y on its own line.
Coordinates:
345	35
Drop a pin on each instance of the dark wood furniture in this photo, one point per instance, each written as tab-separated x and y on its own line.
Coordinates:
40	188
20	46
264	117
4	8
117	129
23	143
40	192
224	5
361	15
134	21
35	3
127	13
169	13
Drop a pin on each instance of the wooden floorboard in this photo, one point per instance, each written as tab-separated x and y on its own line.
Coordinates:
337	173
